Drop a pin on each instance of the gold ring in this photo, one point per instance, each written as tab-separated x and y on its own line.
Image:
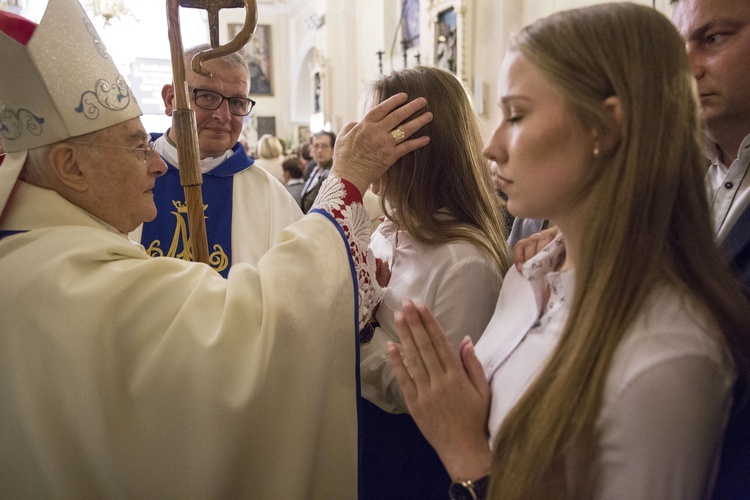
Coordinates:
398	135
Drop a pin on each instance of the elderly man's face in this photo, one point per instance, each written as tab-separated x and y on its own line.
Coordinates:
119	181
717	38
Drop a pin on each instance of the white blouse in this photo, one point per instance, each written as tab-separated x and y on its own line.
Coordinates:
666	399
457	280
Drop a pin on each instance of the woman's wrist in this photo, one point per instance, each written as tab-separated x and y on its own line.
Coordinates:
470	464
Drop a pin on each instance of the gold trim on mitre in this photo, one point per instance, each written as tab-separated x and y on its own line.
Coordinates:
63	83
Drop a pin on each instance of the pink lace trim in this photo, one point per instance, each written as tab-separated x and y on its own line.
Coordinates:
342	200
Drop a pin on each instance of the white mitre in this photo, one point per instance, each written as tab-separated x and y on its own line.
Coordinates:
61	84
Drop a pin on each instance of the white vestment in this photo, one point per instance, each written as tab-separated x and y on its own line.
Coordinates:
123	375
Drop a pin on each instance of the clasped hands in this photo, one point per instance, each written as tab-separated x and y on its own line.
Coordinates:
446	393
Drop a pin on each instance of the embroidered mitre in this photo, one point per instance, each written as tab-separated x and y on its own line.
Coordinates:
60	84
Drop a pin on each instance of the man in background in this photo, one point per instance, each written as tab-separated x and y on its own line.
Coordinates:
717	39
322	153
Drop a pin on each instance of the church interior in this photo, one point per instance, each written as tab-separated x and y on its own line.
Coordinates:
327	52
312	62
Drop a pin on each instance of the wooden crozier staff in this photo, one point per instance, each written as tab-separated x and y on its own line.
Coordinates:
188	153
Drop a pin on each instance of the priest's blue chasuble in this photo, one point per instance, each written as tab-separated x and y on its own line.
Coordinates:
168	234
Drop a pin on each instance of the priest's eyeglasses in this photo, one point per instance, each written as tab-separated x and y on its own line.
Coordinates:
210	100
146	151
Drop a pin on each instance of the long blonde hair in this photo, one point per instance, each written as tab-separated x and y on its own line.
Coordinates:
648	223
443	192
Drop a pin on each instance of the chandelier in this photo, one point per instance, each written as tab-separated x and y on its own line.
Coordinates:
108	10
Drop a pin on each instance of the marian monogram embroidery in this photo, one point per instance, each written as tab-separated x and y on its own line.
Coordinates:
180	246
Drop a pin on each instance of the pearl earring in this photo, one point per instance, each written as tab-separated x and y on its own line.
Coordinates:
596	148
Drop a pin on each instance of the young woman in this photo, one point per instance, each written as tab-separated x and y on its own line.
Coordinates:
443	243
612	355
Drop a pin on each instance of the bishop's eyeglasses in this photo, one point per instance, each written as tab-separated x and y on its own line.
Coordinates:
146	151
210	100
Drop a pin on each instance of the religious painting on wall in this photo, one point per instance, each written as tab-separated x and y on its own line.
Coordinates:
445	40
258	54
317	93
266	125
303	134
410	23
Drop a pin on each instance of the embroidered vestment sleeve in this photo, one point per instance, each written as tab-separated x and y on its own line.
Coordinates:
342	200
